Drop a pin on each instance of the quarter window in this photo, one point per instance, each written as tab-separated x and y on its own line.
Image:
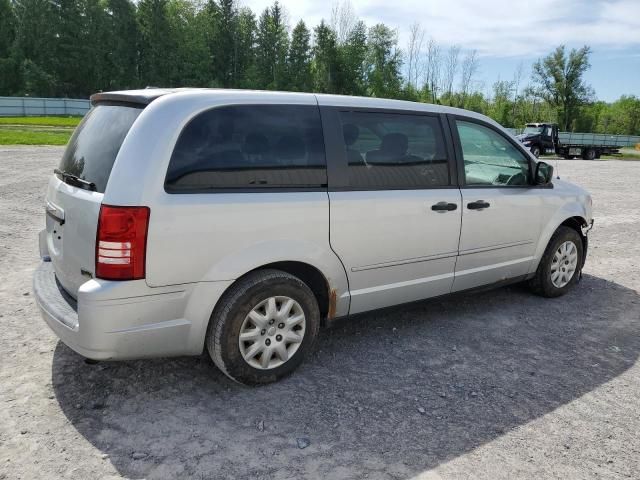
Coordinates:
249	146
489	158
394	151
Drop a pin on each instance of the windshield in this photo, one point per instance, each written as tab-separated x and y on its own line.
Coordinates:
532	129
96	142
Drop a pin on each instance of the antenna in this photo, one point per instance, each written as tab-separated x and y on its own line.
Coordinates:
554	136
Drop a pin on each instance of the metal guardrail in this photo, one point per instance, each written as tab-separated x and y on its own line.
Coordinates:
32	106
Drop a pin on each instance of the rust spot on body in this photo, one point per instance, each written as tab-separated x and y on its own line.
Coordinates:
333	297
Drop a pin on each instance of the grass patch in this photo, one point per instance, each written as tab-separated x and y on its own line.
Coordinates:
33	137
47	121
624	156
37	130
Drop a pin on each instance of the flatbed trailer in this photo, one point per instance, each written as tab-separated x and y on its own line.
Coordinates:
545	138
592	145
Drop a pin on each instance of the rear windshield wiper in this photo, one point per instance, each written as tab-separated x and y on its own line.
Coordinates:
75	180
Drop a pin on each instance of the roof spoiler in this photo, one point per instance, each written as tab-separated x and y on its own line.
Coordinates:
135	97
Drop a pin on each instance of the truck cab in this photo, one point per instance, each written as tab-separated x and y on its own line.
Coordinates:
540	137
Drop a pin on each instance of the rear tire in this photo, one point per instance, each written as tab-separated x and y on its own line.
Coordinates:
272	345
560	266
589	154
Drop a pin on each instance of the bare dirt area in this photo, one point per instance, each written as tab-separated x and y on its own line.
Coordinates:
501	384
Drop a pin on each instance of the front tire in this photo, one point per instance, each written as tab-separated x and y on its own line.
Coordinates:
535	150
263	327
560	266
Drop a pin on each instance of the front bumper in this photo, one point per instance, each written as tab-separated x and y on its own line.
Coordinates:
101	327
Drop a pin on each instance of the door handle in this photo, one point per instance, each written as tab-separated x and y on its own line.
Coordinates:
478	205
444	207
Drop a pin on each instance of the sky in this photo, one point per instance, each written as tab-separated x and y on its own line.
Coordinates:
507	33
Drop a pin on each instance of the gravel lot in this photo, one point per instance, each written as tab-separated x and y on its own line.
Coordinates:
500	384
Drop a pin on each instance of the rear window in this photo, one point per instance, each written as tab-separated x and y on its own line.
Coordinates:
95	143
249	147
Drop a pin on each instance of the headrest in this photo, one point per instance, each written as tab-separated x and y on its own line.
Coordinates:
394	144
255	144
290	147
350	133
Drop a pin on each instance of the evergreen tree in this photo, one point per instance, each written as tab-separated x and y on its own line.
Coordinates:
94	43
299	59
224	44
325	59
353	56
156	46
69	62
272	45
35	47
9	78
7	28
122	60
384	62
245	50
189	54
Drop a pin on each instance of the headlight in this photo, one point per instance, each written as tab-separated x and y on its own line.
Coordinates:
527	143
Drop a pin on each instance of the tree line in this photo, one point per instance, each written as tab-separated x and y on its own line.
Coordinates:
72	48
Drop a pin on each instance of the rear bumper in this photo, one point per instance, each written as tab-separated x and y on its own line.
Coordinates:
126	320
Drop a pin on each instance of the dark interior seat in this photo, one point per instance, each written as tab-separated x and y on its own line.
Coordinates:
257	149
290	149
393	149
351	133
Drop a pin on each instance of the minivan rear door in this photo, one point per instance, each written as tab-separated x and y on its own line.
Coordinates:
77	188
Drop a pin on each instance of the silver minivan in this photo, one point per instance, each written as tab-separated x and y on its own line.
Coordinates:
242	221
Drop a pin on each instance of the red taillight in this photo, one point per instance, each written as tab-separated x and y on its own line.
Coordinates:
121	243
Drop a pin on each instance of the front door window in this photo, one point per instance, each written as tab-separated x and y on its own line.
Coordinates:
490	159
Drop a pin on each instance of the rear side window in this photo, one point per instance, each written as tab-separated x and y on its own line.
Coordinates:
96	142
249	146
394	151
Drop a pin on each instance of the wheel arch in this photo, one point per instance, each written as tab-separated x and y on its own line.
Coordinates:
572	218
577	223
312	277
318	267
326	293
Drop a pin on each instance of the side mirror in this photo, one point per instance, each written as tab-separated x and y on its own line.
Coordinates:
544	173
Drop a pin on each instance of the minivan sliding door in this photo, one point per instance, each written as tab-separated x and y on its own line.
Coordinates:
394	211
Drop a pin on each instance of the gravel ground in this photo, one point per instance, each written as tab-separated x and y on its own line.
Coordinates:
500	384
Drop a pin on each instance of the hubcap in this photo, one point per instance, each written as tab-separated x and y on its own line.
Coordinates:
272	332
564	264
